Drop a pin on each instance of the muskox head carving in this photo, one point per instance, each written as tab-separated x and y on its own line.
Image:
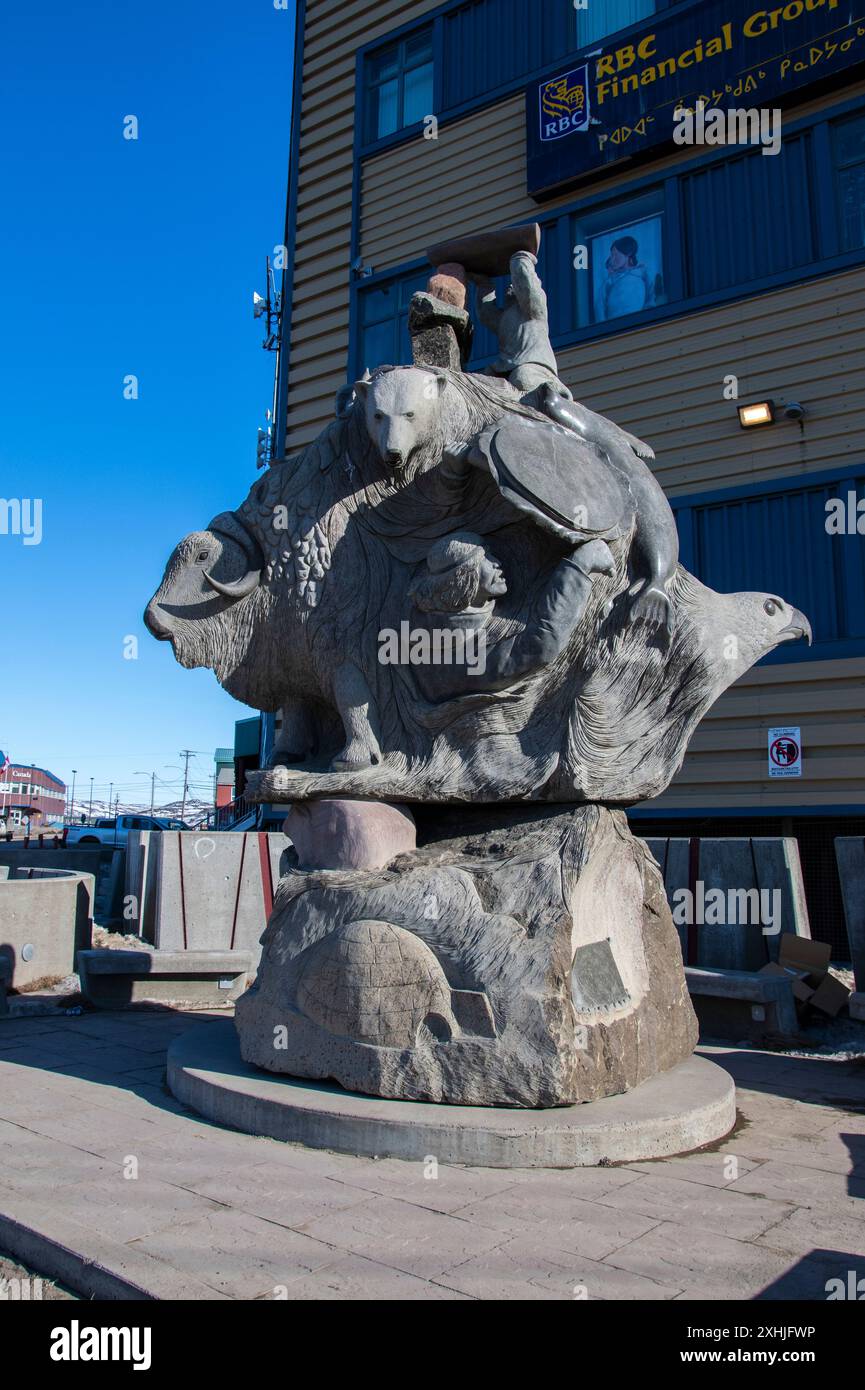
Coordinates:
208	571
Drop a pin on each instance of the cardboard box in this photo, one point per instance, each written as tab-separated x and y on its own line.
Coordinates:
801	990
830	996
804	956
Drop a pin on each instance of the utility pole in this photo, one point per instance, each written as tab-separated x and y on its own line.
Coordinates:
72	797
152	776
186	754
90	812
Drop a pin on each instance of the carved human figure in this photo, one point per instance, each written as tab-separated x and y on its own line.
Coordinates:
526	356
457	593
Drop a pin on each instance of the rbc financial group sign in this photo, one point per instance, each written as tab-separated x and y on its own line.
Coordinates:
616	102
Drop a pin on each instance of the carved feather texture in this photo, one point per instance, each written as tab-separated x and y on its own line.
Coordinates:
285	510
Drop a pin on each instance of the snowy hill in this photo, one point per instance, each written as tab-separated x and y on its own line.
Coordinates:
195	814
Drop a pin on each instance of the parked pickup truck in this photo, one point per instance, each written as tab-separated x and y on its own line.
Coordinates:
115	831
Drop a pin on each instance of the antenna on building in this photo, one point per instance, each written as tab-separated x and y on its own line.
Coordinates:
268	307
262	449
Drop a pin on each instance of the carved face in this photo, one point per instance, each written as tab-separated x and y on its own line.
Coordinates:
402	412
491	580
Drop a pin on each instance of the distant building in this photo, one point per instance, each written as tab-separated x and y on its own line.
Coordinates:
29	792
223	759
247	750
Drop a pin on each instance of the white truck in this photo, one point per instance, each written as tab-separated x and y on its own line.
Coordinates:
110	831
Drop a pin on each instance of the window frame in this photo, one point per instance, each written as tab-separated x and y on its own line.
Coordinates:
435	19
837	167
686	504
400	278
370	85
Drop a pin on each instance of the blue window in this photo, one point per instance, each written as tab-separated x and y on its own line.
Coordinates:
399	85
747	217
383	313
776	541
848	139
618	259
597	21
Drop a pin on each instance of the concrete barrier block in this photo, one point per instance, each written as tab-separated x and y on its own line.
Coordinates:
214	890
106	864
137	847
850	858
46	920
146	881
758	881
779	867
115	979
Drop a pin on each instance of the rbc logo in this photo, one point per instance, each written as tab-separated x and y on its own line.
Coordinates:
565	104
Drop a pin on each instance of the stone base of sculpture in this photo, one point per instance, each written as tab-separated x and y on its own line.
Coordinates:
682	1109
520	956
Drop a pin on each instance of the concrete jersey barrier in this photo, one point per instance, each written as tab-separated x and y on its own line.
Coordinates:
203	890
850	858
695	869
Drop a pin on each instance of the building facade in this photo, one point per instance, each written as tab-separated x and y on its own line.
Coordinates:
414	122
223	777
31	794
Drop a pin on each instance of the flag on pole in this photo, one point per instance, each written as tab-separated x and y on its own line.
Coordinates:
4	761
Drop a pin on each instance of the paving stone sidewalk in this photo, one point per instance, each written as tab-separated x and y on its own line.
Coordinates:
98	1158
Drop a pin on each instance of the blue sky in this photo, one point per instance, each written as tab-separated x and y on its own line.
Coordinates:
123	257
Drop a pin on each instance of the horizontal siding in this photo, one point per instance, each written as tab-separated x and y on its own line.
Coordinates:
726	765
472	177
665	382
334	31
413	195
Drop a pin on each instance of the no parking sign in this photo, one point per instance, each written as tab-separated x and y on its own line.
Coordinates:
785	752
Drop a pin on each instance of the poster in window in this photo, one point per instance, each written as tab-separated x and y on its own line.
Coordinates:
628	269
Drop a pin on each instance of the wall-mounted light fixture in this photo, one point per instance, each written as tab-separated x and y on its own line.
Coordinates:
756	414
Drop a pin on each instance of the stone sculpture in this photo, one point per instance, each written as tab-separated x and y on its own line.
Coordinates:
526	355
465	599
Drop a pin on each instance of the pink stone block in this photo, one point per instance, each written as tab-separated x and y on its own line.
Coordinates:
349	834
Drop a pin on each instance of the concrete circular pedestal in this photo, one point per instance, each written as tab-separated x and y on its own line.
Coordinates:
682	1109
